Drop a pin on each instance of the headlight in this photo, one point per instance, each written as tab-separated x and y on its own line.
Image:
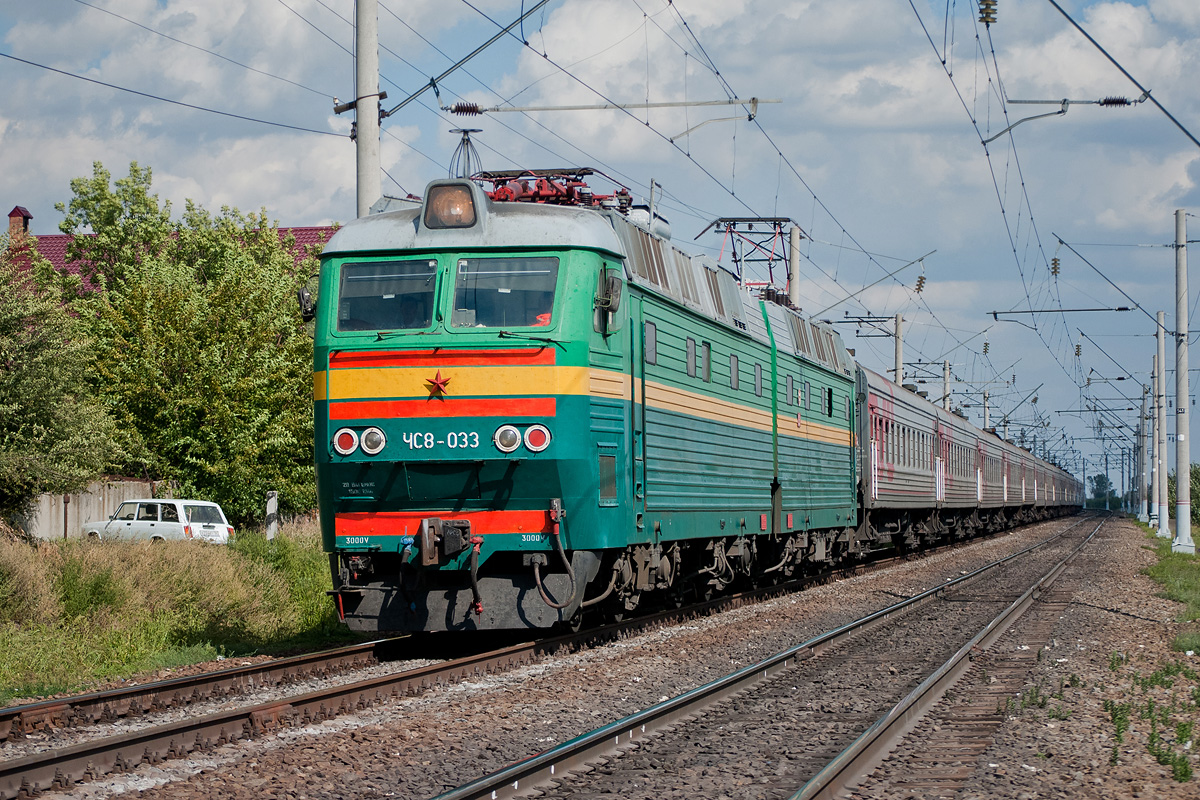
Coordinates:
537	438
345	441
372	441
507	438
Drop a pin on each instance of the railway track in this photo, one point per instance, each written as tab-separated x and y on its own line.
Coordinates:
87	760
817	716
65	766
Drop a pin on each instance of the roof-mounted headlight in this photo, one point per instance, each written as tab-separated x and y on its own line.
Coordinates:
449	206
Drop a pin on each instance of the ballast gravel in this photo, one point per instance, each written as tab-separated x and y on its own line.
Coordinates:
419	747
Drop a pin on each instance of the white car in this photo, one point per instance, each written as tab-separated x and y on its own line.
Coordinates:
164	520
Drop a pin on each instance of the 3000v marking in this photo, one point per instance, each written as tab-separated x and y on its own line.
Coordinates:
454	440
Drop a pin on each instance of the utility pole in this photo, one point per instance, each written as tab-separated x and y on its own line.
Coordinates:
1160	405
366	103
1183	452
986	416
1107	482
899	351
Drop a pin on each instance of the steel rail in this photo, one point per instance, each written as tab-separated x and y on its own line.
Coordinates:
63	767
527	774
857	761
136	700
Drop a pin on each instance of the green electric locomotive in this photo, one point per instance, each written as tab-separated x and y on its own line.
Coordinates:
529	403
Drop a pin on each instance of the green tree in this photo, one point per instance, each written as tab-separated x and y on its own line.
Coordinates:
1101	486
125	223
1195	493
200	352
54	437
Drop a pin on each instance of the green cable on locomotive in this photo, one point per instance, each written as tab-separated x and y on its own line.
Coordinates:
526	402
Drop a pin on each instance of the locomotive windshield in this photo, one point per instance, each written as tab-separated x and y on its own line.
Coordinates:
504	292
387	295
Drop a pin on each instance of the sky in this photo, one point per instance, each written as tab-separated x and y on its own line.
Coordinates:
875	150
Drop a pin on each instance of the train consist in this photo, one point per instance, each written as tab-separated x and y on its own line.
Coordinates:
529	403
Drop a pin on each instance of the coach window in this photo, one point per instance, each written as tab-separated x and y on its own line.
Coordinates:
733	372
807	394
829	402
758	381
504	292
691	357
706	361
386	296
788	388
650	343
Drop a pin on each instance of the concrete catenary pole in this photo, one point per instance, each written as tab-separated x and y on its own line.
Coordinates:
794	237
1155	457
1143	462
1160	410
899	373
1107	482
987	422
1183	452
366	103
946	385
1125	455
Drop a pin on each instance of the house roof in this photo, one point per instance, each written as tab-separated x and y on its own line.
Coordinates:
53	247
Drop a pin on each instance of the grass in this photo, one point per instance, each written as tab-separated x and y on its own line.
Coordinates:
79	612
1179	575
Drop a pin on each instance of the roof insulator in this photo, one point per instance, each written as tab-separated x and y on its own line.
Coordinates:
466	109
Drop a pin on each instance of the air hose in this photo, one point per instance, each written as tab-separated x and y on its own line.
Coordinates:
477	599
556	516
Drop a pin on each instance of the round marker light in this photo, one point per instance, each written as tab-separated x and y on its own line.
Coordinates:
507	438
345	441
537	438
372	441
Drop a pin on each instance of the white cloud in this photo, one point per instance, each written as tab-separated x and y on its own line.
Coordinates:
870	121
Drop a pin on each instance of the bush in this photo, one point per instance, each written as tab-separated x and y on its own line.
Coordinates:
81	611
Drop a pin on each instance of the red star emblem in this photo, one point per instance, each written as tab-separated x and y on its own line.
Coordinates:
437	385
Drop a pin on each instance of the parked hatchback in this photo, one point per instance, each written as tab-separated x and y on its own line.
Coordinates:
164	520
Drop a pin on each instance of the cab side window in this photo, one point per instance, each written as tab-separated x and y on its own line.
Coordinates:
126	512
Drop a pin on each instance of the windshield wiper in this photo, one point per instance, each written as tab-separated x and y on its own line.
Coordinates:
511	335
379	337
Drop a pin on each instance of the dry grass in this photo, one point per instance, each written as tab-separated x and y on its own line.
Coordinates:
81	611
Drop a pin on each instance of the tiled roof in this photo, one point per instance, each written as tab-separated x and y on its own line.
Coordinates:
53	247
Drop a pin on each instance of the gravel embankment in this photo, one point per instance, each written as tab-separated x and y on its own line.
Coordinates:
420	746
1107	652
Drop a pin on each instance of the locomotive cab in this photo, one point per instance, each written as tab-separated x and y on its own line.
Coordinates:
454	446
